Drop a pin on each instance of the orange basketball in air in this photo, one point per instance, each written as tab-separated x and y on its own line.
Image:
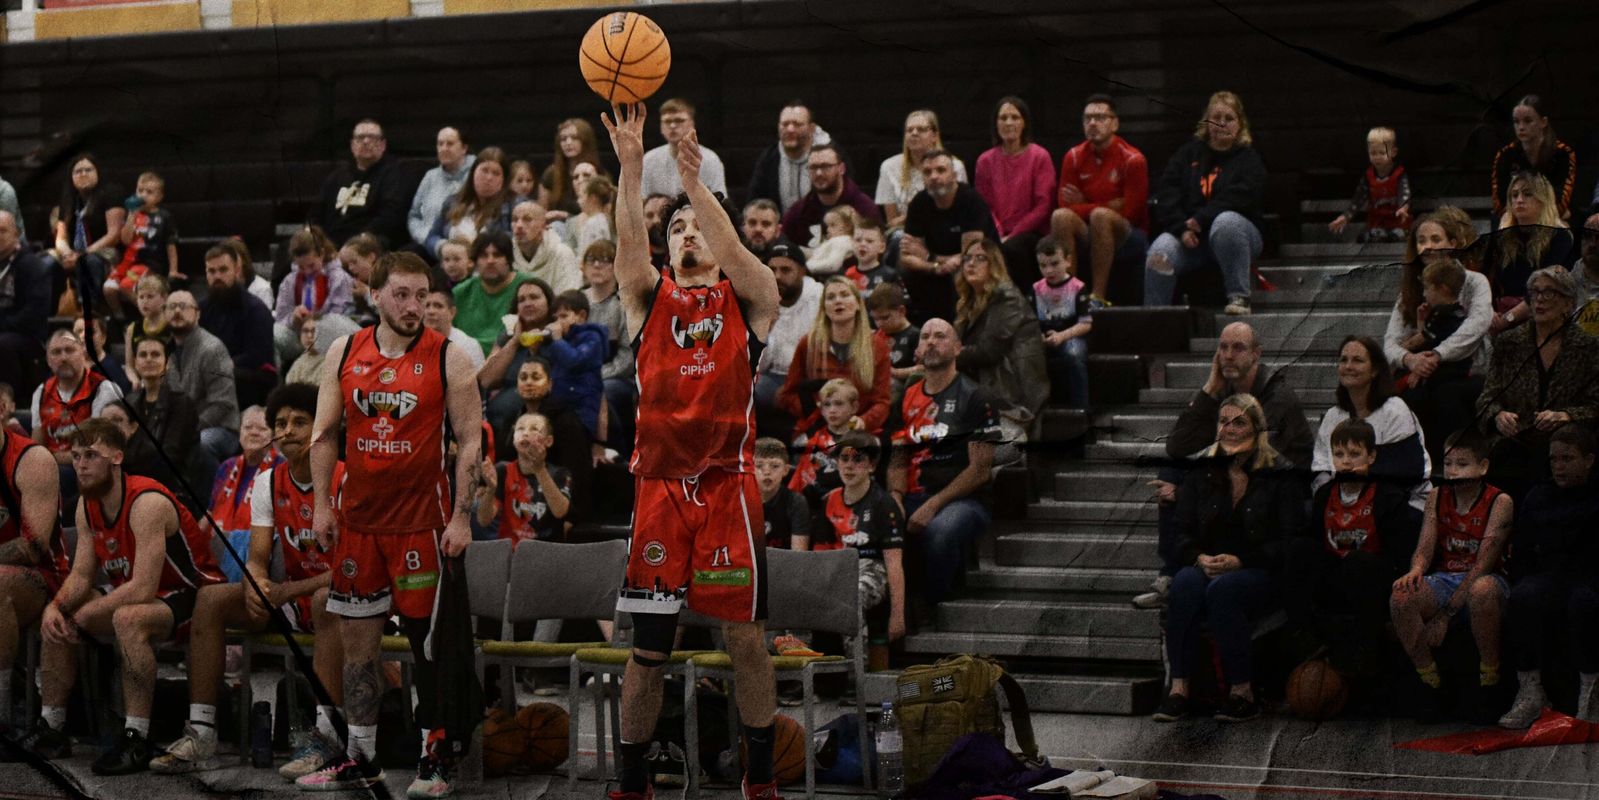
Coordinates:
624	57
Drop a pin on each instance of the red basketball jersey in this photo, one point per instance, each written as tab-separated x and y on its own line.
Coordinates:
1460	534
61	418
189	563
696	381
292	510
15	444
394	421
1353	526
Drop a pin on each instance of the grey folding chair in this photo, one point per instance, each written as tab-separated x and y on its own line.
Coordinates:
817	591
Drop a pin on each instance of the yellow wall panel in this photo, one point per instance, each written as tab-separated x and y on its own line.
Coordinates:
506	6
262	13
117	20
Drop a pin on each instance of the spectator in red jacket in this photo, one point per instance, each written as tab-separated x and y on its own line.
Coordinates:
1104	194
840	345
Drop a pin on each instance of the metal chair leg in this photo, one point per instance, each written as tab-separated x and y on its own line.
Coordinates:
807	682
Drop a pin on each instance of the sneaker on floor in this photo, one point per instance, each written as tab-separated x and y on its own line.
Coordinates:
1173	708
1237	307
1238	708
432	780
761	791
1528	706
131	753
316	754
190	753
45	741
1156	596
345	773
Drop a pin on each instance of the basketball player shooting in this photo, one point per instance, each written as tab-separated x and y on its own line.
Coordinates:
698	536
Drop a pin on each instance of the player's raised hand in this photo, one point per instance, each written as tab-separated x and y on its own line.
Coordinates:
689	158
625	124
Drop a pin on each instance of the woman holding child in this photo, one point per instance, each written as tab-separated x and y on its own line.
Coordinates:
840	345
1232	517
1366	391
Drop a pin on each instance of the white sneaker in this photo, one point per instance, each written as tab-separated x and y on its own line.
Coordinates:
191	753
316	754
432	781
1237	307
1588	704
1156	596
1530	703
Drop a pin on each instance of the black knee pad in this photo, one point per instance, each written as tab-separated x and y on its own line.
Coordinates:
653	632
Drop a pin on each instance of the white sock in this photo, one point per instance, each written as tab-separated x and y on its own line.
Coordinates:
201	714
54	716
324	723
139	724
363	742
426	732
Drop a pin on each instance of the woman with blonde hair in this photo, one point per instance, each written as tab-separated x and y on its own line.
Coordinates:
574	142
840	345
1208	207
900	176
1233	517
1531	236
1002	346
483	204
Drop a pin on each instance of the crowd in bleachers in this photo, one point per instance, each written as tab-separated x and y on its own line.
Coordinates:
922	330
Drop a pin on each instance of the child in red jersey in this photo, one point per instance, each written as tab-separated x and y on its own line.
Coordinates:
1465	529
1383	192
816	474
527	498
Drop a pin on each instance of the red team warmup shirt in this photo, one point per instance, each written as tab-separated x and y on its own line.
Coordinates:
1353	526
394	418
1460	535
1120	172
61	418
54	567
696	379
189	564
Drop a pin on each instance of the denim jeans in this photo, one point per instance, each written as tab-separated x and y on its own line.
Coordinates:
1232	243
944	542
1068	372
1227	602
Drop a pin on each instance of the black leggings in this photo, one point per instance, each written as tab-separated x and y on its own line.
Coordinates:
1546	605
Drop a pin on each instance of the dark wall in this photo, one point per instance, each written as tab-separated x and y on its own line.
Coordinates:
252	116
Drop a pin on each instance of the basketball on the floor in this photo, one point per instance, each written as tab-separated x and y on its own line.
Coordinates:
1316	691
788	750
546	726
505	743
624	57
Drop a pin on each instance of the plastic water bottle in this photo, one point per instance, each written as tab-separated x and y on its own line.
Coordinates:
890	756
261	735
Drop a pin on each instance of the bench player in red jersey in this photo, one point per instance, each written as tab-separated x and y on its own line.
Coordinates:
698	535
280	503
31	557
398	389
155	560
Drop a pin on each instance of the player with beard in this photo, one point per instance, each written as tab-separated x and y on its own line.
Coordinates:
697	528
155	560
281	504
32	558
399	390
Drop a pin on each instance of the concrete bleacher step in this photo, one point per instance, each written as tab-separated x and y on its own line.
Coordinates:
1135	693
1112	484
1165	396
1272	326
1340	295
1098	648
1099	512
1350	251
1124	581
1141	426
1477	205
1302	374
1322	344
1124	453
1311	276
1063	617
1116	547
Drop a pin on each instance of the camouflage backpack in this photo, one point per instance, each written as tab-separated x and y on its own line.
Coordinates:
939	703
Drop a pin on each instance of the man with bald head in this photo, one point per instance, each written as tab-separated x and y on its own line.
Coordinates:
539	251
1587	271
1234	369
944	437
25	306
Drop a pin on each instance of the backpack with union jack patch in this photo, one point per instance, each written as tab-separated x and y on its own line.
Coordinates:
939	703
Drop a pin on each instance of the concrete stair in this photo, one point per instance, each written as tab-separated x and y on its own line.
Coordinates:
1050	589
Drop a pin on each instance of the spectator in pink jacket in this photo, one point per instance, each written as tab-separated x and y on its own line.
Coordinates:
1016	177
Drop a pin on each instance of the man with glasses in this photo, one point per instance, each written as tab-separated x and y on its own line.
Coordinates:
1104	195
203	371
660	163
831	187
1586	271
371	194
